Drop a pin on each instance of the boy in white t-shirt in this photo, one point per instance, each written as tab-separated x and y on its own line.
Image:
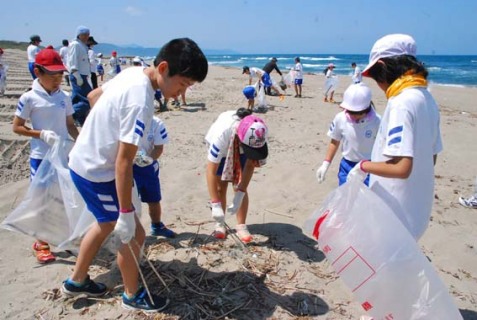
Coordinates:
101	164
298	77
32	50
409	138
146	174
355	128
50	112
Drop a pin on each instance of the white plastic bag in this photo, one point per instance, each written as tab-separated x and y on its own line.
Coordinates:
377	257
261	100
52	209
289	79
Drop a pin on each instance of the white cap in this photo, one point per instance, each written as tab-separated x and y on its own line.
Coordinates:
356	98
136	59
390	46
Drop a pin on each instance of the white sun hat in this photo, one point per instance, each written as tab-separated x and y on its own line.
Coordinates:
356	98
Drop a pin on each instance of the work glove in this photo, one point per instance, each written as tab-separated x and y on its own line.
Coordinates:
357	172
79	79
217	212
126	226
321	171
50	137
236	203
142	160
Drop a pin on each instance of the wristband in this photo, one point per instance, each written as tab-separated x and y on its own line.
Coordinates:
215	201
327	160
126	210
361	165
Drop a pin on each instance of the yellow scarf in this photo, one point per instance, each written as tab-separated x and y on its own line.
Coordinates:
405	81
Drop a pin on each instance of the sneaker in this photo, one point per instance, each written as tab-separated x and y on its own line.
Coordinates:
159	229
89	287
220	232
469	203
141	301
42	252
243	233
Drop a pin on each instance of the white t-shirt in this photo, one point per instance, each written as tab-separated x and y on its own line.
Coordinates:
330	73
32	51
156	136
78	58
298	71
64	55
356	139
93	62
357	76
409	128
44	111
123	113
219	134
256	73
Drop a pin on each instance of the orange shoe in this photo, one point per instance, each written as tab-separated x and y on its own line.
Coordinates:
43	253
243	234
220	232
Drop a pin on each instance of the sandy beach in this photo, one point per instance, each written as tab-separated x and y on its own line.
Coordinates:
281	275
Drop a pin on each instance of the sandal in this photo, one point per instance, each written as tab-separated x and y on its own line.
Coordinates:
243	234
220	232
42	252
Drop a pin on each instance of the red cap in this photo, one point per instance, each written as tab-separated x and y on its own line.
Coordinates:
1	51
50	60
114	53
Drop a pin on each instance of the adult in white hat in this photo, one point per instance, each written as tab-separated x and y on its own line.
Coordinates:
409	138
355	129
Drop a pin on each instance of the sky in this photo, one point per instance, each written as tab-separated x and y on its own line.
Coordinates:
250	26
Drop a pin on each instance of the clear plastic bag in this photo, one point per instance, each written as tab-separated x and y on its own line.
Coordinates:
52	209
377	258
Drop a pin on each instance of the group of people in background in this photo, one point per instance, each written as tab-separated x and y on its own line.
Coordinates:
397	150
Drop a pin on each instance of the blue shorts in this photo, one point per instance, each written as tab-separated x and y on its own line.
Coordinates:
147	182
220	169
101	198
158	95
345	168
249	92
298	81
267	82
34	164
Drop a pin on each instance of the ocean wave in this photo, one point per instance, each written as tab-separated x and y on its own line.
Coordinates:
330	58
224	62
434	68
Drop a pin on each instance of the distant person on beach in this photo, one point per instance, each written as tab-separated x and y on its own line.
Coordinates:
355	128
115	64
64	57
261	75
356	77
93	62
409	138
268	68
101	165
3	74
249	92
49	111
237	145
331	83
298	77
80	71
32	51
99	66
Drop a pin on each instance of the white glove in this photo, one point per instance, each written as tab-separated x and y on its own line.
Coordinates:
357	172
321	171
217	212
142	160
126	226
237	202
50	137
79	79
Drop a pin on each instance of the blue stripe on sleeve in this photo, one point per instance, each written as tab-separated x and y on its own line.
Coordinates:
395	130
140	124
139	132
213	153
215	148
394	140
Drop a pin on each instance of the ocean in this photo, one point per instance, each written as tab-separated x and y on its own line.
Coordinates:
444	70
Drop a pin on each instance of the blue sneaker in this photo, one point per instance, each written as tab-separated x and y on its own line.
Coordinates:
88	287
159	229
141	301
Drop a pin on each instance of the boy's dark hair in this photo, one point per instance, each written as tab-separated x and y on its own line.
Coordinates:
65	42
326	70
353	64
242	112
394	67
184	58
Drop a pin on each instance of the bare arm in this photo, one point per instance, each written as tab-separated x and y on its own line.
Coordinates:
398	167
94	95
212	182
157	151
247	174
124	174
332	148
20	127
70	125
